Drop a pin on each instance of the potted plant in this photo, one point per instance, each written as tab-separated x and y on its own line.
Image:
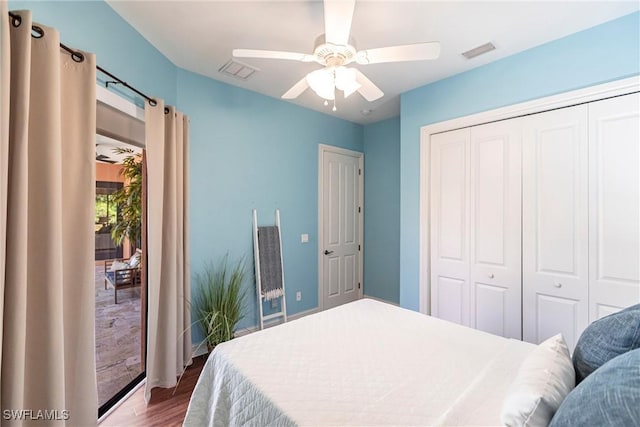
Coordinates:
129	200
219	300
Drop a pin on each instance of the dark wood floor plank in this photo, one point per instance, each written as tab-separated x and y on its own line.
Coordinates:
166	408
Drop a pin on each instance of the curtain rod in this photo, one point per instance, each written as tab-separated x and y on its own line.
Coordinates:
79	57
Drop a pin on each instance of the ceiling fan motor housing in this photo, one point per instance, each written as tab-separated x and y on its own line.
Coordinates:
334	55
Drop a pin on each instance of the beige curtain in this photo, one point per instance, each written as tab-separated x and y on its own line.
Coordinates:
48	346
168	332
4	146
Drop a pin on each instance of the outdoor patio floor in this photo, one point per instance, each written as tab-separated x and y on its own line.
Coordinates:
117	337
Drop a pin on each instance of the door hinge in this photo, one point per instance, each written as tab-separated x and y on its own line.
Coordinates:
359	209
358	285
358	247
359	171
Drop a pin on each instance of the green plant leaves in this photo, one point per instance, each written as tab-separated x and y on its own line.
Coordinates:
129	200
220	299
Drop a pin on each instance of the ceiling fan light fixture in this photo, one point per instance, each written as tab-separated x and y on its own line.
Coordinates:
324	82
345	80
321	81
328	94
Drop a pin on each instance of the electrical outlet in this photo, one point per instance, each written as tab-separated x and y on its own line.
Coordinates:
304	238
298	296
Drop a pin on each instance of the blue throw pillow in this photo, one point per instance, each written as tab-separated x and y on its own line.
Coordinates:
608	397
605	339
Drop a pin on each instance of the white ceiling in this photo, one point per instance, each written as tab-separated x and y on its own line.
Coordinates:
200	35
108	149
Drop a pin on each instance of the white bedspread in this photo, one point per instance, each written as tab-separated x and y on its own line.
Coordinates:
362	364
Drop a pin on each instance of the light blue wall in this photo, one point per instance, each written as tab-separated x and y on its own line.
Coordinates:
382	210
95	27
604	53
247	150
252	151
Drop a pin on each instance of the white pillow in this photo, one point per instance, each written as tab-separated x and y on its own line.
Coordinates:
134	260
544	379
118	265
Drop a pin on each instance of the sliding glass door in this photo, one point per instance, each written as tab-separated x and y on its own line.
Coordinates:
119	283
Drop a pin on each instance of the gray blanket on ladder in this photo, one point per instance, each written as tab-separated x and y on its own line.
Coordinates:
270	262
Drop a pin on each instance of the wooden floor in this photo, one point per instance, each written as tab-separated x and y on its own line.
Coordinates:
164	409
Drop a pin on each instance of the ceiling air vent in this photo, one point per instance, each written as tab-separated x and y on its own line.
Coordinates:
238	70
477	51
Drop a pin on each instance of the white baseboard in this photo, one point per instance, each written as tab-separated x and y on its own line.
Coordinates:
199	350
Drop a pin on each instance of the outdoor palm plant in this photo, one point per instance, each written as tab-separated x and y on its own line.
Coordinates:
129	200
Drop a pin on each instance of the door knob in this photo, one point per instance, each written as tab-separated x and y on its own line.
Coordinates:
491	276
326	252
557	284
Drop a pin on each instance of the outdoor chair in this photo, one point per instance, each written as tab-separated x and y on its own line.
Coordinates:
122	273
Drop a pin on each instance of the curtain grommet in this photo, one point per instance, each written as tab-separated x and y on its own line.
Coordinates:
77	56
16	20
37	32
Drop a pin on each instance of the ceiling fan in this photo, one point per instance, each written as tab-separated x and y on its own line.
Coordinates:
335	50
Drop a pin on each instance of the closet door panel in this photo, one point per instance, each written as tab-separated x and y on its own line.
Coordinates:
449	226
451	302
614	211
556	315
555	224
491	309
604	310
495	213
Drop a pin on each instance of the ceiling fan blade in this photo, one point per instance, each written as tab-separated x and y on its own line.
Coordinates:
272	54
103	158
337	20
367	89
296	89
408	52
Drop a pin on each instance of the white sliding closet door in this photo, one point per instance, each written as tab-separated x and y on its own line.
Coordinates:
450	225
555	225
535	221
614	204
495	229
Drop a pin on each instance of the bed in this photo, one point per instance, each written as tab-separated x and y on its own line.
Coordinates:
364	363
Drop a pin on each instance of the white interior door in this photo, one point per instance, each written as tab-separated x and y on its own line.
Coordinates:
555	225
495	227
614	204
340	212
450	226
